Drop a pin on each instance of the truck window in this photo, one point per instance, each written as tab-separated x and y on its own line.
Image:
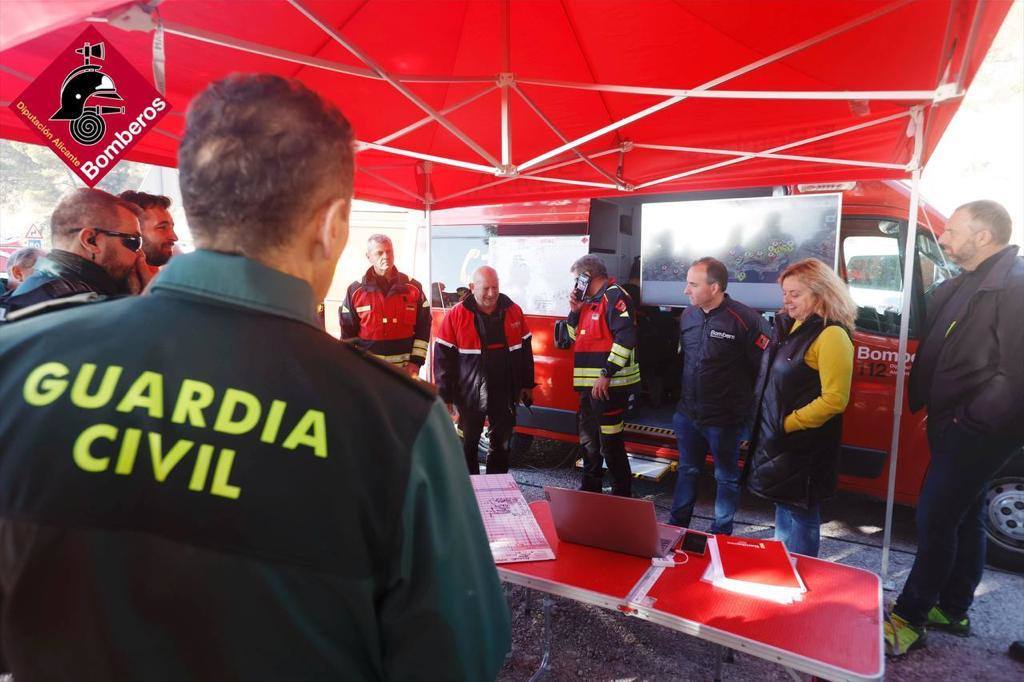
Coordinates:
874	273
455	252
935	268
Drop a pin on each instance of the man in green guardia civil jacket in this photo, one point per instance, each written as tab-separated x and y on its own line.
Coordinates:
198	483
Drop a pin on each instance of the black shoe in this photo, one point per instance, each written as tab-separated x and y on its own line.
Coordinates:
1016	650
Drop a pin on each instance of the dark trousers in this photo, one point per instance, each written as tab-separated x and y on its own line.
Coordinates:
600	427
502	419
950	523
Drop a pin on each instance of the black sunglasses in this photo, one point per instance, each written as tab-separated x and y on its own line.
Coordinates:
132	242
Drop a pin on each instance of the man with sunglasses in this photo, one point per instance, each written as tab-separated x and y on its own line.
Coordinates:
96	253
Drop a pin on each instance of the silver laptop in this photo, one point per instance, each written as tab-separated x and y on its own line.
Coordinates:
620	524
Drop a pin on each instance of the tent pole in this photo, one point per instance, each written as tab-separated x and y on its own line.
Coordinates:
773	150
335	35
487	170
428	200
714	83
901	364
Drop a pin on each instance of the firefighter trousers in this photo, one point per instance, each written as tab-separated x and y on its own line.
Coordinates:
600	427
501	419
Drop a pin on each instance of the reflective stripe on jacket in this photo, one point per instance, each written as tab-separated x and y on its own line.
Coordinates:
394	324
459	368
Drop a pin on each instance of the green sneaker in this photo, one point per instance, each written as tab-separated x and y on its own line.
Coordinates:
940	620
901	636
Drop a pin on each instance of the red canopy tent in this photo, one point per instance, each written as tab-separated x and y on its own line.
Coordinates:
490	101
497	100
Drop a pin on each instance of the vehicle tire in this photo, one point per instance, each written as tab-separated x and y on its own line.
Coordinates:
1004	516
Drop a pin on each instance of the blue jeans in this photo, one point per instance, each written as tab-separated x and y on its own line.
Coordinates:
798	528
694	442
951	523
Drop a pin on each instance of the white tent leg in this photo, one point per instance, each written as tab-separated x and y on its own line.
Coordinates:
901	365
428	192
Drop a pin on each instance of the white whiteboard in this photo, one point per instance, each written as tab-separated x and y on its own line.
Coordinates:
534	271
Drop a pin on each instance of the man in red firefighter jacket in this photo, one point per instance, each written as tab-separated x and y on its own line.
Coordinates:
602	326
386	314
483	366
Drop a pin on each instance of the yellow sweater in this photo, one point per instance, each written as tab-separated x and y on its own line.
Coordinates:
831	355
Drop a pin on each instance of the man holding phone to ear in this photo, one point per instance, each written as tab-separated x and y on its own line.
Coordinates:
602	327
96	250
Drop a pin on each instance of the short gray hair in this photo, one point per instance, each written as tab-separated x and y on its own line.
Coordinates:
590	263
380	239
25	258
992	216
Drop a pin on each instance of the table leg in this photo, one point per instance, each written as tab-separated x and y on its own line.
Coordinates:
719	660
545	661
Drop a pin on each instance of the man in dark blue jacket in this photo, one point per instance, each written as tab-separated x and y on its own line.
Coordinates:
969	373
722	341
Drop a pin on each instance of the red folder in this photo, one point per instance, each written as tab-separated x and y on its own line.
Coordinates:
756	568
765	562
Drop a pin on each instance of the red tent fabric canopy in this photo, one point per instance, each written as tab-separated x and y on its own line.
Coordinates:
521	100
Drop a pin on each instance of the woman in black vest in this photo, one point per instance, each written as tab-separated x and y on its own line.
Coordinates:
803	389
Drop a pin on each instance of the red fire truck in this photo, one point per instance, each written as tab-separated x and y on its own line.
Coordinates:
871	241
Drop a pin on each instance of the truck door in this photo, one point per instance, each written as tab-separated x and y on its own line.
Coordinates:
871	260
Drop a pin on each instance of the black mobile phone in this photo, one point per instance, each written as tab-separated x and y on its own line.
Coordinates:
694	542
582	284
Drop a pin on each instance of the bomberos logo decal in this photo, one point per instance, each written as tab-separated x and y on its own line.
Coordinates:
90	106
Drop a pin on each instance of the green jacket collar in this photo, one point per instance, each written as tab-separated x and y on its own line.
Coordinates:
239	281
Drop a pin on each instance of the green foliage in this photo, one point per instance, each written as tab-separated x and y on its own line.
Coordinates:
33	178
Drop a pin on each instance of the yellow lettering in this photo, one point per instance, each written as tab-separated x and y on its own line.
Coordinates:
164	464
80	389
129	448
311	431
193	398
273	423
201	469
44	384
146	392
225	415
222	473
81	450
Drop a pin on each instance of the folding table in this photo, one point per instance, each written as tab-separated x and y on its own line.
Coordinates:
834	633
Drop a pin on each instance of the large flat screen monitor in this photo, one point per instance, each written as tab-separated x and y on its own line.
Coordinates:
756	239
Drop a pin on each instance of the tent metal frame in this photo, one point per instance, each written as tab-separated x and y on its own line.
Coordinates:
141	17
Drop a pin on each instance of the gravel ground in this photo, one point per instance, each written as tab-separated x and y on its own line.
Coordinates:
596	644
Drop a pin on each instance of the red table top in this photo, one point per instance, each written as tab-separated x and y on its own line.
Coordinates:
610	575
837	625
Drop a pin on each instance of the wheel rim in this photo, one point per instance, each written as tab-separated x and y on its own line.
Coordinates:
1005	505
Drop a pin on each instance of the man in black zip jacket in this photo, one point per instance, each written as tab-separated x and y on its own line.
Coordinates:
96	252
483	366
969	373
721	341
